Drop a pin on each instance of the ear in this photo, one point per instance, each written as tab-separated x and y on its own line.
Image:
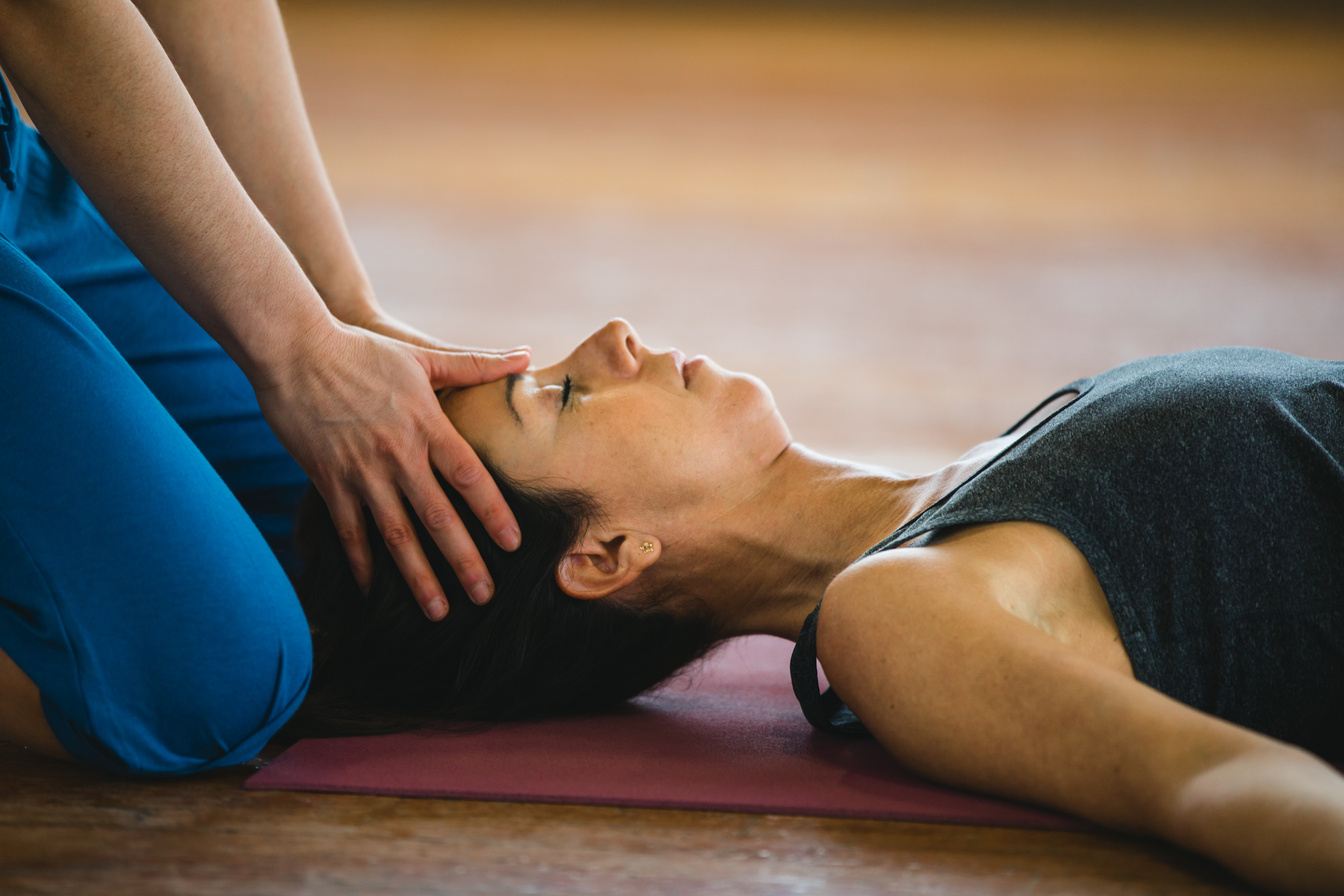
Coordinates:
605	562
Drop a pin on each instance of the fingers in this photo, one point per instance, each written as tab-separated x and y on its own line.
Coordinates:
454	458
399	534
466	367
452	539
451	454
347	515
392	328
362	452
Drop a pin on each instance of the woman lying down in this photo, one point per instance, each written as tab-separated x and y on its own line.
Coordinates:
1130	607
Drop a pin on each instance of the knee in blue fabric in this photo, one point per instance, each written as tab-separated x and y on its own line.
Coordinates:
136	593
206	704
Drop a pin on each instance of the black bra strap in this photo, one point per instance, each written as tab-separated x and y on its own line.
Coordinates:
1076	387
825	710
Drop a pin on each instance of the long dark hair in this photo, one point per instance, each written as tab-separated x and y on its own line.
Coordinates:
532	651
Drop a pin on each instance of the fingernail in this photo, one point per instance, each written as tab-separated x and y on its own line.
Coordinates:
518	353
437	609
510	539
480	593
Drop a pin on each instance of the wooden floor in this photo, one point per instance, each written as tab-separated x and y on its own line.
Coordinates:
67	830
910	226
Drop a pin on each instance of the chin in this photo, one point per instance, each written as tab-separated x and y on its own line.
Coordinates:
755	412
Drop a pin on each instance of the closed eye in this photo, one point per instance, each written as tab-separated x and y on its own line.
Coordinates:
564	392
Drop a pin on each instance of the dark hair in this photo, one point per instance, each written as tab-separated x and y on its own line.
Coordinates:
532	651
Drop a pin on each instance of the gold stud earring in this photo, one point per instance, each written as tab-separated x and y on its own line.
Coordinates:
646	547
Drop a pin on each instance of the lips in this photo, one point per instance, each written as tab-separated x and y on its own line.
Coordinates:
691	368
679	361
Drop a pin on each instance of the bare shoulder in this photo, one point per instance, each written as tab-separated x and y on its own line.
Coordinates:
1028	570
962	691
922	645
882	608
908	616
905	606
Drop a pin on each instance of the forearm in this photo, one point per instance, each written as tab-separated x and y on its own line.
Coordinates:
1275	816
234	58
105	96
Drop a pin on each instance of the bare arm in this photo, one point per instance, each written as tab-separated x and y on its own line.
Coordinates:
105	96
962	691
234	59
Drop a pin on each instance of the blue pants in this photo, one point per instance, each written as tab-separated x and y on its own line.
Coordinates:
139	486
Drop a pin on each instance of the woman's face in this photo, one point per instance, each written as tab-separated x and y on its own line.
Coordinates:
653	437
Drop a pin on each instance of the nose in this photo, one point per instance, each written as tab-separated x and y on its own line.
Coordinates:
619	347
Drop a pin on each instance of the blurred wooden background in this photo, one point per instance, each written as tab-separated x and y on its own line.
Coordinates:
909	224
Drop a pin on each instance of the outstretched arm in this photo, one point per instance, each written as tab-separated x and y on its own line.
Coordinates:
355	409
962	691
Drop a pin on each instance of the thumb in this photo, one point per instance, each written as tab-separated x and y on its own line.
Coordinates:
471	367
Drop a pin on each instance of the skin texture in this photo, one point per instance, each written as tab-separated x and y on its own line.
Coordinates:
988	660
660	416
917	642
107	98
683	454
22	721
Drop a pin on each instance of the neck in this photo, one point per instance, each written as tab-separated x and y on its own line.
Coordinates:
770	556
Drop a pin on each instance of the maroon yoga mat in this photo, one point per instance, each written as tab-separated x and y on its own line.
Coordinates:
727	736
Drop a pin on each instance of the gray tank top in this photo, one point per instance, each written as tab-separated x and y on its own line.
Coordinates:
1206	490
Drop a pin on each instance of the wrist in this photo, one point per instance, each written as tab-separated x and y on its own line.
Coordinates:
267	345
344	286
356	306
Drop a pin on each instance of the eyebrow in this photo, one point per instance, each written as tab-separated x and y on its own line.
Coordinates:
510	381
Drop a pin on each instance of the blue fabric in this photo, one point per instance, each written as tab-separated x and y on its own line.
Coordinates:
136	590
8	129
1206	491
